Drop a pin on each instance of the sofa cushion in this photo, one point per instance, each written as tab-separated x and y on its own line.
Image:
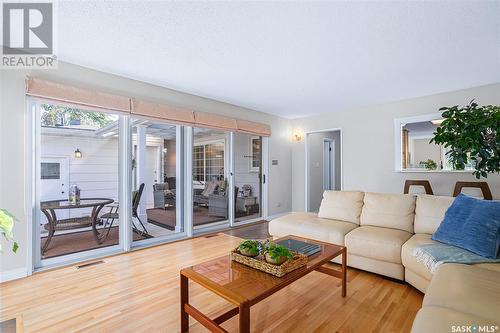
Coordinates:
309	225
410	261
342	205
437	319
465	288
472	224
377	243
429	212
389	210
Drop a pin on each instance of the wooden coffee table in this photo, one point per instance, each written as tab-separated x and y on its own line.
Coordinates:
244	286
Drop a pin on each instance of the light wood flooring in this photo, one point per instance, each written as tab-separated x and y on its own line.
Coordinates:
139	292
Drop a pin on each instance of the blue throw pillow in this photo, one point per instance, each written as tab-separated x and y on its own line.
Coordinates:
472	224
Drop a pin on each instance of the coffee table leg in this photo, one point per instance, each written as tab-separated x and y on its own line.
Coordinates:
184	300
244	318
344	272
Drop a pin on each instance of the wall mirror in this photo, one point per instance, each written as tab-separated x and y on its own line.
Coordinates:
414	152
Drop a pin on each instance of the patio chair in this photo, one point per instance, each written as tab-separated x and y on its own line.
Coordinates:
112	216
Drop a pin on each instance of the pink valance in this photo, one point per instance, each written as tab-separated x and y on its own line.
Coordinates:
164	112
79	96
96	99
211	120
250	127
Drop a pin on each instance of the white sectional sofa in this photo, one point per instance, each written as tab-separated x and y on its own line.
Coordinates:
381	231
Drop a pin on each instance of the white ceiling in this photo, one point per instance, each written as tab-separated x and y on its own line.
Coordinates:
289	58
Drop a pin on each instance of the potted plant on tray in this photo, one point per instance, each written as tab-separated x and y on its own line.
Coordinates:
277	254
249	248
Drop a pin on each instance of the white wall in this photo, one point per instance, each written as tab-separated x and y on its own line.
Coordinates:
13	134
368	144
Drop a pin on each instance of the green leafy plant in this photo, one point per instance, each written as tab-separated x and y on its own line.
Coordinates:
6	226
472	134
56	115
276	251
250	247
429	164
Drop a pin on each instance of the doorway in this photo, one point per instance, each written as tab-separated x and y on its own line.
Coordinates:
323	165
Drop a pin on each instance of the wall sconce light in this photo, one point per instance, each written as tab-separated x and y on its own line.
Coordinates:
78	153
298	135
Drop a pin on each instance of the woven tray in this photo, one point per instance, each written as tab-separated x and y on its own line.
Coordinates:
260	263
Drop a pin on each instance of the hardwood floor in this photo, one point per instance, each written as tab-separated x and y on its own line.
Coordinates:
139	292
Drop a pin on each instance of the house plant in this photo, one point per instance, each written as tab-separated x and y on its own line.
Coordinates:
277	254
429	164
6	226
472	134
249	248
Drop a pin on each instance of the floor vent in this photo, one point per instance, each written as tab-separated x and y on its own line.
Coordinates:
90	264
213	235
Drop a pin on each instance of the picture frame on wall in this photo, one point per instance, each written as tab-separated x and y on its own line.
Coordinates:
255	153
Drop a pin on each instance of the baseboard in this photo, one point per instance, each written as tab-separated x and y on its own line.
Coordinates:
13	274
275	216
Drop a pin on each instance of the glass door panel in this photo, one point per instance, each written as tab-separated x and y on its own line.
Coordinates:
247	176
210	177
78	182
156	179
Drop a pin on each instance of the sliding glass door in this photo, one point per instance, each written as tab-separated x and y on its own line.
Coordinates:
247	177
77	181
156	206
210	185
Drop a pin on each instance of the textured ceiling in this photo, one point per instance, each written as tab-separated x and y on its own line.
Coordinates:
289	58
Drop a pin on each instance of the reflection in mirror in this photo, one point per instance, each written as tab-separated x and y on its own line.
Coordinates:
417	152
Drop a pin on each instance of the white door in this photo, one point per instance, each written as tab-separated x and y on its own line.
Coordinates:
152	174
328	165
54	182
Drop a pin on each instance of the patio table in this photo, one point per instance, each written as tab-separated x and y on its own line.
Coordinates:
49	210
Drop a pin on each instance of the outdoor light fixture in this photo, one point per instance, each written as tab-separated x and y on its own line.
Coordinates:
78	153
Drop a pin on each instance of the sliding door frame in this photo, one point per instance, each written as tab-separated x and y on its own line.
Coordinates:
33	212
